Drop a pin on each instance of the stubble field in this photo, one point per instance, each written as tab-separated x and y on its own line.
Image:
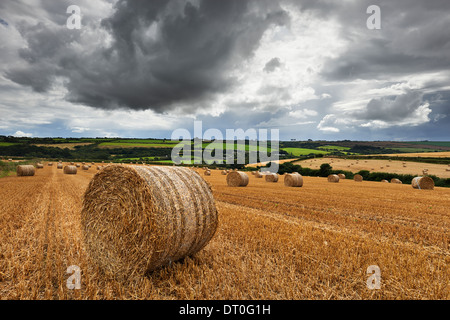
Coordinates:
273	242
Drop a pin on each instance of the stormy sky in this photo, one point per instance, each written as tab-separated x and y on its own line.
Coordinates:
310	68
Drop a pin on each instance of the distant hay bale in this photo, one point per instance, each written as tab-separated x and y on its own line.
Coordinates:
333	178
395	180
59	166
72	163
358	178
224	172
10	160
25	170
207	173
293	180
425	183
159	215
341	176
85	167
99	167
77	165
237	179
271	177
50	164
384	180
70	170
39	166
258	174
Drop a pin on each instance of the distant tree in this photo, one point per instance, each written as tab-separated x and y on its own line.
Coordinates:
325	170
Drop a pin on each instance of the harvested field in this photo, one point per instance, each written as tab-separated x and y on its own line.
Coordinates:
413	168
272	242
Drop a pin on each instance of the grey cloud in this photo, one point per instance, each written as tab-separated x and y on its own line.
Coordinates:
187	59
272	65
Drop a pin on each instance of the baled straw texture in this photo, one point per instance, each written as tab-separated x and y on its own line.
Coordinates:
70	170
358	178
425	183
207	173
224	172
59	166
395	180
258	174
333	178
384	180
50	164
341	176
237	179
77	165
293	180
39	166
25	170
271	177
85	167
137	219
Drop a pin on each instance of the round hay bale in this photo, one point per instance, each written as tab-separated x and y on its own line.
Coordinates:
77	165
70	170
137	219
72	163
333	178
237	179
39	166
341	176
99	167
395	180
25	170
207	173
384	180
85	167
258	174
271	177
10	160
425	183
59	166
358	178
293	180
50	164
224	172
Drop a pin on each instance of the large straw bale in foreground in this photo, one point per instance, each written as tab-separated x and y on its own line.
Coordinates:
25	170
333	178
271	177
237	179
136	219
425	183
293	180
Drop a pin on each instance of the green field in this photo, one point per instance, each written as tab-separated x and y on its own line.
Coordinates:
431	143
303	152
223	145
6	144
334	148
413	150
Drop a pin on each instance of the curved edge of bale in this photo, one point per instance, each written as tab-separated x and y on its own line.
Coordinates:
70	170
358	178
293	180
271	177
237	179
25	170
423	183
333	178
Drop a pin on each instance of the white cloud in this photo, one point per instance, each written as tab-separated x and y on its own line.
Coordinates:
22	134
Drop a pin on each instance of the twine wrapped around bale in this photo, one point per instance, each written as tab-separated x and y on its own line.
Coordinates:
358	178
341	176
70	170
137	219
293	180
59	166
425	183
395	180
333	178
237	179
85	167
25	170
271	177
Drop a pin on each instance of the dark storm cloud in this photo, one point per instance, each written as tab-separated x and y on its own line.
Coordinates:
163	53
